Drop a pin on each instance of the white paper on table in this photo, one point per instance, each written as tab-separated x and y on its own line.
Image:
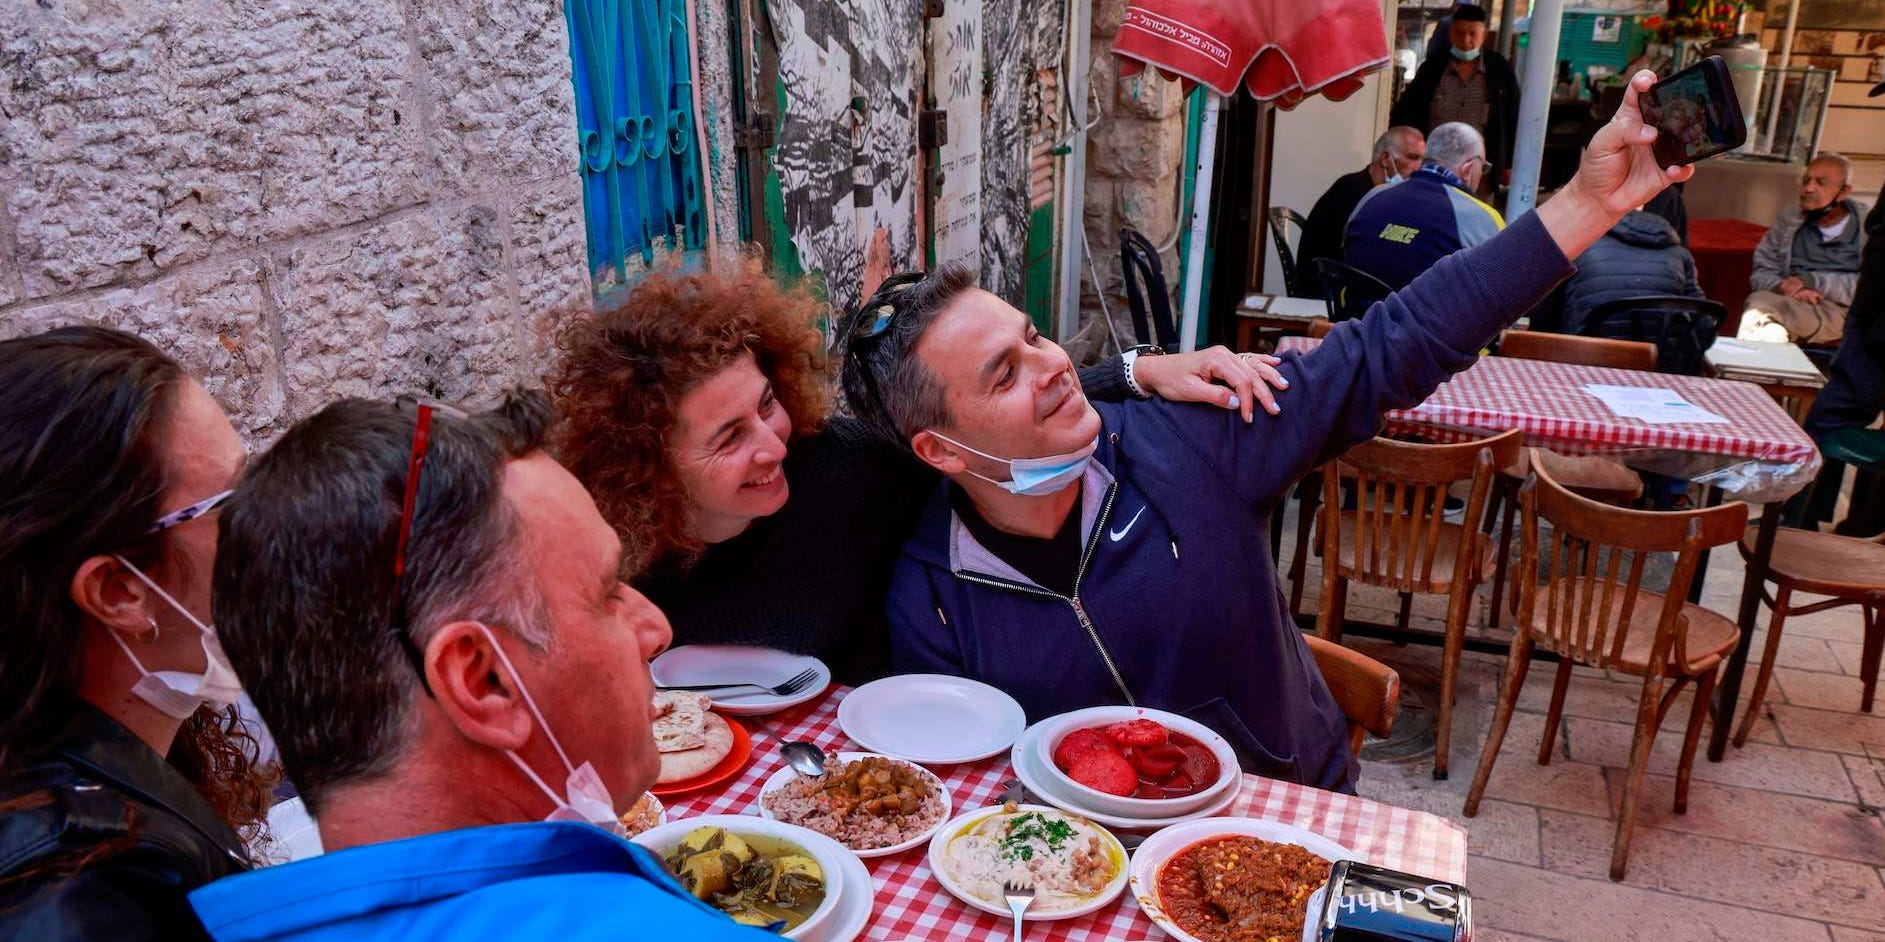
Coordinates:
1652	404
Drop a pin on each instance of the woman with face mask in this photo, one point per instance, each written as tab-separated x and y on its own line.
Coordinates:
125	780
698	414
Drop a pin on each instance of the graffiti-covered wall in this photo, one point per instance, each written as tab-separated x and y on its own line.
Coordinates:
845	175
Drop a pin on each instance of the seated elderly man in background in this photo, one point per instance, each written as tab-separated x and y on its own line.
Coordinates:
1807	265
428	610
1079	556
1397	153
1399	231
1640	255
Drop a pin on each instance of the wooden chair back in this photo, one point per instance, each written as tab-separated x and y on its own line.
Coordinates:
1593	563
1320	327
1583	351
1368	691
1400	501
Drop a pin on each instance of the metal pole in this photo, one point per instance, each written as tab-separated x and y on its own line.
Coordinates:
1508	15
1780	83
1073	84
1200	222
1534	106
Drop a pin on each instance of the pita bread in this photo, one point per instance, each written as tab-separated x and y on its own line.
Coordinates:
686	764
680	720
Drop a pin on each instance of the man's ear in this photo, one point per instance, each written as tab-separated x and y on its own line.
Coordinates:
936	453
108	593
472	686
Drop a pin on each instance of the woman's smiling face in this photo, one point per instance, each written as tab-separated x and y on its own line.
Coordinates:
729	448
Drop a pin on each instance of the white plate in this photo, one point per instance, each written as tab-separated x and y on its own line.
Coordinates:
786	774
1033	775
829	854
1166	844
855	907
934	719
726	663
948	831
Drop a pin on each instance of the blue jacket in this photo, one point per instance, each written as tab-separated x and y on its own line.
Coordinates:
1177	605
1640	255
539	881
1399	230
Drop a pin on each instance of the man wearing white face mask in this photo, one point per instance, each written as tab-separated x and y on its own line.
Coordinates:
1398	152
428	613
1466	82
1083	554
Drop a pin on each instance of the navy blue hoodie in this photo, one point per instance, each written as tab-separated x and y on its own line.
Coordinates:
1177	604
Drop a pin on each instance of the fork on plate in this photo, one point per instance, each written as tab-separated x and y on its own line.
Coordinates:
1019	896
794	684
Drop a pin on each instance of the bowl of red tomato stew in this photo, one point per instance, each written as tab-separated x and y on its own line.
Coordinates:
1135	762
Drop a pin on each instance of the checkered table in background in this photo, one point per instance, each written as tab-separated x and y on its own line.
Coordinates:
912	905
1548	402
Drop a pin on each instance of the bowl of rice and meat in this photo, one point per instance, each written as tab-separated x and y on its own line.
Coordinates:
872	804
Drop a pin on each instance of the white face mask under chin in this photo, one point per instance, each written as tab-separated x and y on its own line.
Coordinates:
1034	477
177	694
585	798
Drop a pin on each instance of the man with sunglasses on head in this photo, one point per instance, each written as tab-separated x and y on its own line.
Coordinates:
429	612
1079	556
1396	232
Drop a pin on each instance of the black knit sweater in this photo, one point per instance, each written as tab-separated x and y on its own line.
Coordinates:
812	577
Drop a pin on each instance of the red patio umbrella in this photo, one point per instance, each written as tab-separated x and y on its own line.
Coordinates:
1281	50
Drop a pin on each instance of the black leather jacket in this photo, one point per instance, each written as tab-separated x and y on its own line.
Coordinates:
104	784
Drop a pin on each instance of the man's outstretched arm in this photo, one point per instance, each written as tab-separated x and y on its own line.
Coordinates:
1434	327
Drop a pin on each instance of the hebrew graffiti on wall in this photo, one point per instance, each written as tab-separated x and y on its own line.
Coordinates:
848	178
1020	41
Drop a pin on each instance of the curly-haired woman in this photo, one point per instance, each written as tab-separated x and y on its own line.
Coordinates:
698	413
125	779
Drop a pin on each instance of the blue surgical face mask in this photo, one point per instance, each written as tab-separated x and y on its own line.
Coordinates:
1394	178
1035	477
1465	55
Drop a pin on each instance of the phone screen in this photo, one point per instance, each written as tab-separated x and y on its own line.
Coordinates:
1694	118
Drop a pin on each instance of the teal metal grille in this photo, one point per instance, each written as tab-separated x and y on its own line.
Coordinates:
636	136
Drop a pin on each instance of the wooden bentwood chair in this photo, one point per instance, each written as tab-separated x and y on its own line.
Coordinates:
1598	478
1850	570
1593	610
1398	537
1368	691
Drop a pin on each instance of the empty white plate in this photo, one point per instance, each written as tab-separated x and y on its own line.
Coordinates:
934	719
726	664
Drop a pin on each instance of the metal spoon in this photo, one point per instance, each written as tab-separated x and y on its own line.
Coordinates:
804	758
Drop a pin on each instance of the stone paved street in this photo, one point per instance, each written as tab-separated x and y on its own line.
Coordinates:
1783	839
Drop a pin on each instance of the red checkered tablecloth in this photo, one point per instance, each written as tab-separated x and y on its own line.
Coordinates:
912	905
1759	455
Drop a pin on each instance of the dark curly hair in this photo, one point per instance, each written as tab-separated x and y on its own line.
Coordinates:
621	375
81	475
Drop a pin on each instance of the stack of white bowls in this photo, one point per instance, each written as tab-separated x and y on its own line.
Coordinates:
1034	765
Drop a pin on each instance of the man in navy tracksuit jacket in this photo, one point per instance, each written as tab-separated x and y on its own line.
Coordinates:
1168	597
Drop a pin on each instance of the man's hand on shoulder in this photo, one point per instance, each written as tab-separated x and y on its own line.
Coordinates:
1246	379
1618	173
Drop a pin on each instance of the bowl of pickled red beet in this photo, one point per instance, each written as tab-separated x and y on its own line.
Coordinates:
1135	762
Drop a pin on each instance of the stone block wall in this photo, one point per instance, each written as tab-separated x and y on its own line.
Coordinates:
1135	159
299	200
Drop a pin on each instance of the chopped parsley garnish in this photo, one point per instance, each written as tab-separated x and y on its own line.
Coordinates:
1025	830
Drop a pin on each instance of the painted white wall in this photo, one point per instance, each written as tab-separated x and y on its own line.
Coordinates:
1316	143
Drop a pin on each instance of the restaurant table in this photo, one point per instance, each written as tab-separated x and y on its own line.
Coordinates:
1286	315
1759	455
912	905
1724	260
1780	368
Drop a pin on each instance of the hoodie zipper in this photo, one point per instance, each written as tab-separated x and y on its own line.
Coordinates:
1079	607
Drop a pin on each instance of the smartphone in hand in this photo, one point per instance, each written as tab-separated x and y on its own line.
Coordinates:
1695	113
